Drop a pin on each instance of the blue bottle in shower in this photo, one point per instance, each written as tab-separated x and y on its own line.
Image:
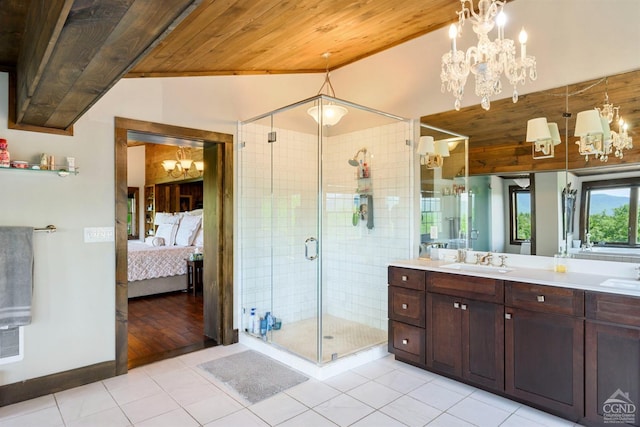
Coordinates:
269	318
263	327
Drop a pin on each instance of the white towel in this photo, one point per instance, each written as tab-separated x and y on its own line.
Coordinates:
16	275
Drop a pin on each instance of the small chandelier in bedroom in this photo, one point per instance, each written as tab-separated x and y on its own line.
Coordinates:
183	166
489	59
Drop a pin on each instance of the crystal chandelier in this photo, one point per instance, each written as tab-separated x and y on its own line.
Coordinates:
489	59
617	141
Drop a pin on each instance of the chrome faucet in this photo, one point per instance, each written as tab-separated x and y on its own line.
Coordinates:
486	259
462	256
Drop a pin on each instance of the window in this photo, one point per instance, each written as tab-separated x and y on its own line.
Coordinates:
430	215
520	214
610	212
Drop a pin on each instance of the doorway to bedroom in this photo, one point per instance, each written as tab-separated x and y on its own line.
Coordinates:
165	307
185	207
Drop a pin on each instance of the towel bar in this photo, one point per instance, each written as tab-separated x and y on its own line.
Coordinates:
47	229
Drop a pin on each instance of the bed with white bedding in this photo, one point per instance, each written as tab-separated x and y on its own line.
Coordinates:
158	265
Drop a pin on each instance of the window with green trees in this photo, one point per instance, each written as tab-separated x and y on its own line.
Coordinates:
520	214
610	212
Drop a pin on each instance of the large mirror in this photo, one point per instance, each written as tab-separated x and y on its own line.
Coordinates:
569	202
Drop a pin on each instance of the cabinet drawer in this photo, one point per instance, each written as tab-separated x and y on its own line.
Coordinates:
407	278
477	288
547	299
407	305
621	309
407	342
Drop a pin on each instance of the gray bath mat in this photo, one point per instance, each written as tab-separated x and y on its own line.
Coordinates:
253	375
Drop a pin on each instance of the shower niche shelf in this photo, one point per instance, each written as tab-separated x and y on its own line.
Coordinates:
364	186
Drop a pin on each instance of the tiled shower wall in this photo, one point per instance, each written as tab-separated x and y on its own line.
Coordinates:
354	258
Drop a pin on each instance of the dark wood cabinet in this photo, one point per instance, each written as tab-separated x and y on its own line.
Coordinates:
544	350
465	337
612	359
407	314
562	350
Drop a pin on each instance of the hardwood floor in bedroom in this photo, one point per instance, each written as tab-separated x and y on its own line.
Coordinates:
164	326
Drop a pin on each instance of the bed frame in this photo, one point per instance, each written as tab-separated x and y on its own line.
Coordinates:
160	285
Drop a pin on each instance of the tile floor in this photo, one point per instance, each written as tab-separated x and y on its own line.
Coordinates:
175	392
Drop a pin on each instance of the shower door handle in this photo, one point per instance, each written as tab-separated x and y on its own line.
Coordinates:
306	248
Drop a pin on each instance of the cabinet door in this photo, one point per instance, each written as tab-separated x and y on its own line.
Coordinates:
406	342
483	343
544	360
444	334
612	372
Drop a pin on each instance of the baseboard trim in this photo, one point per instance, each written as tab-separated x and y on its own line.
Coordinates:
36	387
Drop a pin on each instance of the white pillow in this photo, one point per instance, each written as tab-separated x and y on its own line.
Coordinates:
166	218
199	240
195	212
168	233
154	241
187	230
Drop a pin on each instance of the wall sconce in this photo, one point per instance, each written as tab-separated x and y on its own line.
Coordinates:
432	152
591	129
183	166
544	136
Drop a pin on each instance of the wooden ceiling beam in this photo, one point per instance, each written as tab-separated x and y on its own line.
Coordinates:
45	20
78	51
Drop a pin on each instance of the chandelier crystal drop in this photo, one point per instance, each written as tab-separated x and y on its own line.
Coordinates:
489	60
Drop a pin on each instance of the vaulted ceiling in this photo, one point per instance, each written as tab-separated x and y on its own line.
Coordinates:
63	55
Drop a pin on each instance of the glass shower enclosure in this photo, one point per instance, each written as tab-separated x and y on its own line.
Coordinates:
323	209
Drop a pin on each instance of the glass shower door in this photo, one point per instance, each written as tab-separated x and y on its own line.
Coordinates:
294	240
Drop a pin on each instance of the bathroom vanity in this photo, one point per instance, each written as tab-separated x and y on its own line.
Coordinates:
561	342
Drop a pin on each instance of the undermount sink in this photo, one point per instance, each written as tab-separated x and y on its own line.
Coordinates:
633	285
477	268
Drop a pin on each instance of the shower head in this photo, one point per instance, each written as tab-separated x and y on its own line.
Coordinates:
354	161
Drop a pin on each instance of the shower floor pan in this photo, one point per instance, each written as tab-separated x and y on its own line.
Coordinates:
340	337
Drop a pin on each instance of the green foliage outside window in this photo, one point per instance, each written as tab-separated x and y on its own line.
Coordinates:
523	231
610	228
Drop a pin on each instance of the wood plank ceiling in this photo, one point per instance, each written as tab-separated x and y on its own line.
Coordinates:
63	55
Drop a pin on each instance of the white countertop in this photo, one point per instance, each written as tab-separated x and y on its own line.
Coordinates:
539	276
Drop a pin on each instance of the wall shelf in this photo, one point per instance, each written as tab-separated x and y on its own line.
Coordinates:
59	172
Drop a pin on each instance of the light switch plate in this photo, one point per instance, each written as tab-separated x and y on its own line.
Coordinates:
98	234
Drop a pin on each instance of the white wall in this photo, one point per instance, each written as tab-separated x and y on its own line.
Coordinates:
73	322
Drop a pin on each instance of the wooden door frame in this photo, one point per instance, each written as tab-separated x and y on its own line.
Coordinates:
217	222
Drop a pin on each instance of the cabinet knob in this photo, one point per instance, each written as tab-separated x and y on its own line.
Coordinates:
405	306
405	278
507	316
456	305
463	306
540	298
405	341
